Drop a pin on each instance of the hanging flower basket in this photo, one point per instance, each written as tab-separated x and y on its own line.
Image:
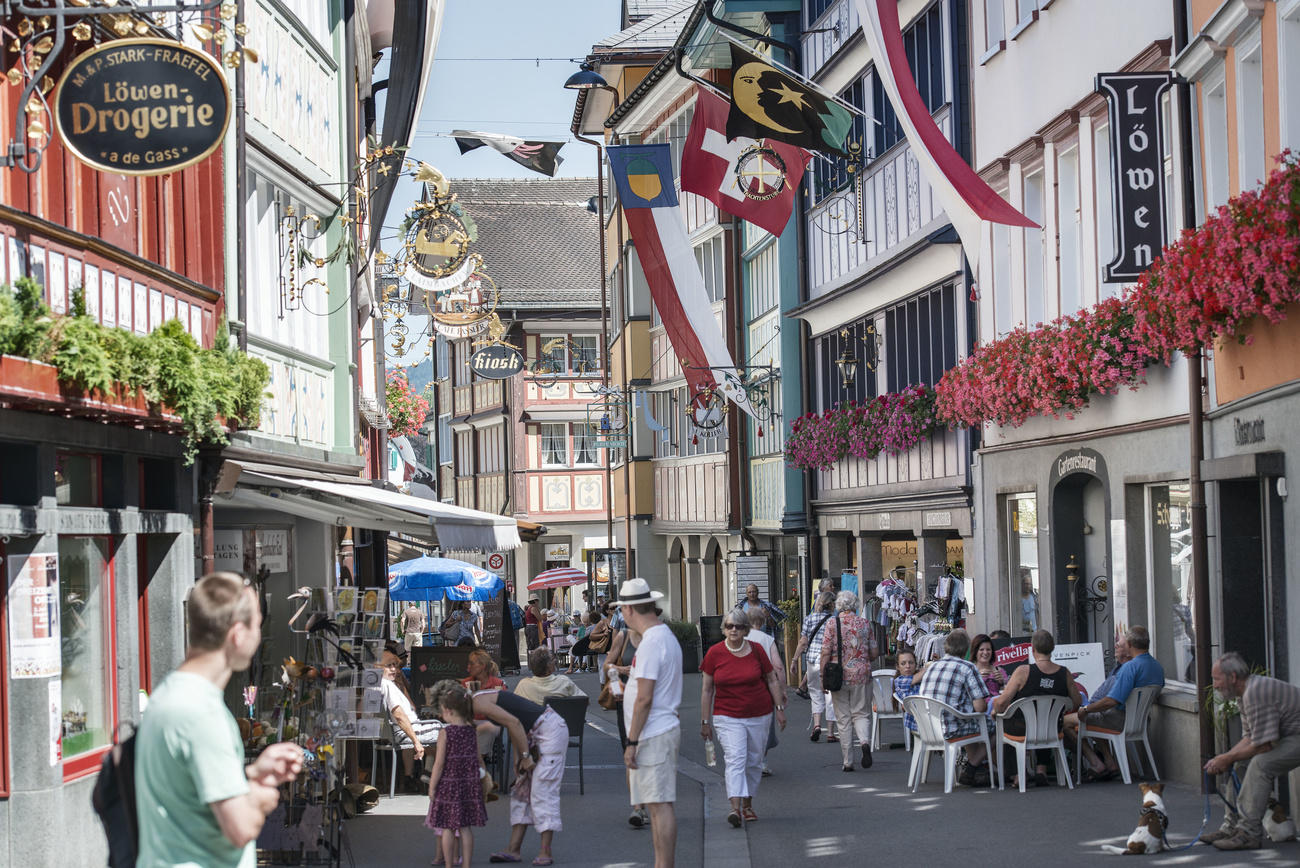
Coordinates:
891	424
407	409
1242	263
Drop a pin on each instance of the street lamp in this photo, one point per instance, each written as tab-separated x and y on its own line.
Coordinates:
587	79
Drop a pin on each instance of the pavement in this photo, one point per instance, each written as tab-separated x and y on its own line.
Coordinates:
810	811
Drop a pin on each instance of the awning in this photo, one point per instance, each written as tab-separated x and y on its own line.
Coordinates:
348	501
529	531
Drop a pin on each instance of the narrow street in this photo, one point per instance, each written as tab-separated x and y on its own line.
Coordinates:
811	811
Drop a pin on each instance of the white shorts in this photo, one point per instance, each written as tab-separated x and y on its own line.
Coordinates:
654	779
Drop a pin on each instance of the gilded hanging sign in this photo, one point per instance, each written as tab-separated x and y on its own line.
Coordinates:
142	106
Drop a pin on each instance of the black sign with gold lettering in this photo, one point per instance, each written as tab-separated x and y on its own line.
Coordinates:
496	362
142	106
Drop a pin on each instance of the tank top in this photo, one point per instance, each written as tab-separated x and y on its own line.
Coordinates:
1039	683
527	712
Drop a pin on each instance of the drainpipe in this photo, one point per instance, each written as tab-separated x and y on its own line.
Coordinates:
1195	422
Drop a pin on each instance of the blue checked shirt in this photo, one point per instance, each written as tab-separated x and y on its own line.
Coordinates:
810	623
956	682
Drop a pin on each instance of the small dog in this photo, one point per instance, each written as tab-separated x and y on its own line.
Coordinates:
1149	836
1277	825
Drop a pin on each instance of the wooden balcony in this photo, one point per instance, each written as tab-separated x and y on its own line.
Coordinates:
938	461
692	490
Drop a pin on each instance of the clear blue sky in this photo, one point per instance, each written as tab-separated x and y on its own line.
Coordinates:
479	83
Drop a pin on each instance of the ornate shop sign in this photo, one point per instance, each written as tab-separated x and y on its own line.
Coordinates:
496	362
142	106
1137	147
466	309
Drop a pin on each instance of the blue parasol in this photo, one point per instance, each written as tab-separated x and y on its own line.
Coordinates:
427	578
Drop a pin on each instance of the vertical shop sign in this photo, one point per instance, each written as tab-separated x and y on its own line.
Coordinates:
1137	171
34	631
273	550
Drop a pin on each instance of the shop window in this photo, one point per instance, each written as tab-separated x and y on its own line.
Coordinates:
1022	564
1170	569
88	651
157	484
19	474
78	479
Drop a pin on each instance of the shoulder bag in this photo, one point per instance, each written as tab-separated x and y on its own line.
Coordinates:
833	670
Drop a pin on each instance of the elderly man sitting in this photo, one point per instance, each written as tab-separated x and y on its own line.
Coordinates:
1270	745
955	680
1106	710
545	681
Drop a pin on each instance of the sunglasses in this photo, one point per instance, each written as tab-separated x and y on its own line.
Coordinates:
735	626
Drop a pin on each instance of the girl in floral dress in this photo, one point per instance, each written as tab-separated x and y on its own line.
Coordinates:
455	791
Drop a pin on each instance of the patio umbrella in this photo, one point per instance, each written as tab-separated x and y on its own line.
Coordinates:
560	577
427	578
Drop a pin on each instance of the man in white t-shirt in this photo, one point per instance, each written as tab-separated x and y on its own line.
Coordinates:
654	733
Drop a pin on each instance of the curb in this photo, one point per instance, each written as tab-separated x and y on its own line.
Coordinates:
719	843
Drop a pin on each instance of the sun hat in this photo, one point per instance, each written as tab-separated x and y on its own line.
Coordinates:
635	591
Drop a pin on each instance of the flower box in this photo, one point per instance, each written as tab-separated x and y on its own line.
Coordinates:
28	384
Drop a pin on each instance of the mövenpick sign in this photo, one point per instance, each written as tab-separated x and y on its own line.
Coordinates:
142	106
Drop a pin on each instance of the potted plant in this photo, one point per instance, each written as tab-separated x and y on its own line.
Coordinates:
792	608
688	636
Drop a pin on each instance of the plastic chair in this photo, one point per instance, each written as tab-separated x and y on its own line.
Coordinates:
929	730
574	711
1042	732
882	692
1137	714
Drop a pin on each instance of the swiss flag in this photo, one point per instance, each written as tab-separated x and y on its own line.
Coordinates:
742	177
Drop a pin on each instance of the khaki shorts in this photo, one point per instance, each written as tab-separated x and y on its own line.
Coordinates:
654	779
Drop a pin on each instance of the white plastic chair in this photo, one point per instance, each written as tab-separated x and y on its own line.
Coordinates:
1137	714
929	730
1042	732
882	694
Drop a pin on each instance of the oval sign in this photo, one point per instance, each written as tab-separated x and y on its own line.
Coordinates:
142	106
496	362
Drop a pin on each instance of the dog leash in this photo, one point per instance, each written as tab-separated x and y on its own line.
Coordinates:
1205	819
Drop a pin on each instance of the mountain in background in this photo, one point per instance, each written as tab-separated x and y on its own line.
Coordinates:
419	375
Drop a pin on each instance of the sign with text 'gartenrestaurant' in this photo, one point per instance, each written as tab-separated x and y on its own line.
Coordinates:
142	106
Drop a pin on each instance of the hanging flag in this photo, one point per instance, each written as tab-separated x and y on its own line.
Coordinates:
541	157
970	204
754	179
771	103
644	176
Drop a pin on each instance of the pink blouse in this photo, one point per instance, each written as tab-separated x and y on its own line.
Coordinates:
859	646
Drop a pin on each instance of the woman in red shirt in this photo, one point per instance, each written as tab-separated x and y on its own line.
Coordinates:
740	691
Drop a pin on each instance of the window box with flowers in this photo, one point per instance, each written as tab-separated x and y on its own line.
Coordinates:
891	423
1241	266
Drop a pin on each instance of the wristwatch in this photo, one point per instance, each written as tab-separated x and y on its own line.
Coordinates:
631	742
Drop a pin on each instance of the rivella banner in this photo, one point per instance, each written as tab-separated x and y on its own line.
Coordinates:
142	106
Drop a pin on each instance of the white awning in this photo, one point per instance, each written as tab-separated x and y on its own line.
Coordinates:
353	502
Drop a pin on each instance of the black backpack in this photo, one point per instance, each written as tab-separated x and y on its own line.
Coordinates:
114	801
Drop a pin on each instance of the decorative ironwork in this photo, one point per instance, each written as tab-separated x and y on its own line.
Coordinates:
847	363
842	213
753	382
546	370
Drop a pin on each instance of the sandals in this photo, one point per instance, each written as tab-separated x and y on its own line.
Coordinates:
748	815
543	860
504	857
848	768
832	739
733	817
816	734
1091	777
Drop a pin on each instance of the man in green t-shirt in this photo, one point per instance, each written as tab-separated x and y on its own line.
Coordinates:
198	804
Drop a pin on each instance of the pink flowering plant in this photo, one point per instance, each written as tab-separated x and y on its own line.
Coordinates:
1211	284
891	423
407	408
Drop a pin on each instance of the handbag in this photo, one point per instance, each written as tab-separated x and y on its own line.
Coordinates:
600	644
833	670
607	700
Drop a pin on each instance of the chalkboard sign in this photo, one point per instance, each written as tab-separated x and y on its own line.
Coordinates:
431	665
493	611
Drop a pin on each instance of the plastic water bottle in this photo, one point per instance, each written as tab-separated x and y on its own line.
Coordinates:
710	753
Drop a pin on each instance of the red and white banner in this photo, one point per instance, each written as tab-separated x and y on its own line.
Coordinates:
757	184
969	203
683	302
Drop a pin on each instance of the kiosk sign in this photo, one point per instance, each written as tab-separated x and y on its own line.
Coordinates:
142	106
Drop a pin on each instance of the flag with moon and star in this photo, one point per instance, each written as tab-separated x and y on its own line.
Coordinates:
644	176
770	103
